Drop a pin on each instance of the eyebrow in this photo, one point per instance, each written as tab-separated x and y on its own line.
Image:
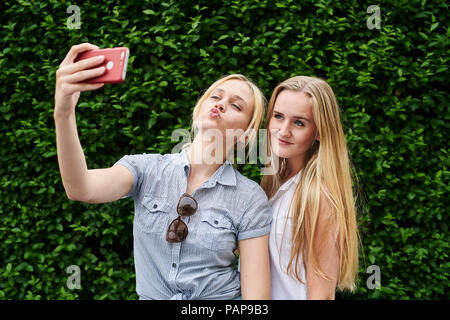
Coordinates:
236	97
295	117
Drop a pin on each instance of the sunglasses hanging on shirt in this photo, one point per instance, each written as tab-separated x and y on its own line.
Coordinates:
178	230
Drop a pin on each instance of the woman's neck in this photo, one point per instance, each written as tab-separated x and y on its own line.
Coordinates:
204	156
293	166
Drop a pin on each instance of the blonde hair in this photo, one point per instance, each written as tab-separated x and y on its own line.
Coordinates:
326	173
259	102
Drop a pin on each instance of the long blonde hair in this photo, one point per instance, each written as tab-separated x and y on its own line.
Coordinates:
327	172
258	110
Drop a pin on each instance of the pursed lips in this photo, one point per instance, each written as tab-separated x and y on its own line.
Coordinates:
214	113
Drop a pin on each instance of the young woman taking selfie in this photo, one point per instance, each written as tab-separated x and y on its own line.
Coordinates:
314	235
190	214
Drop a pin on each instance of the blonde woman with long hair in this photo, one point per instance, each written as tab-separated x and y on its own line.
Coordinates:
191	213
313	242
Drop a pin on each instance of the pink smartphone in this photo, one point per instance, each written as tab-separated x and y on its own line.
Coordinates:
116	61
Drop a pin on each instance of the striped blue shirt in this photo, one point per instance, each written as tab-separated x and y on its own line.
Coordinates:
231	207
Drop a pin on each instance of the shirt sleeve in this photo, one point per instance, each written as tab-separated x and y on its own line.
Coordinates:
139	165
257	217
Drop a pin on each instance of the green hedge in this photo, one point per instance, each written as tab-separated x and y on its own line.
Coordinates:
390	83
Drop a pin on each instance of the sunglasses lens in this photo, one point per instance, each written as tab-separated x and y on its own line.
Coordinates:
187	206
177	231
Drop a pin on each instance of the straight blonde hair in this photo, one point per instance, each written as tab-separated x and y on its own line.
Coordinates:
327	173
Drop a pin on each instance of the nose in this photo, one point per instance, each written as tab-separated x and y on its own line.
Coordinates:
220	107
284	131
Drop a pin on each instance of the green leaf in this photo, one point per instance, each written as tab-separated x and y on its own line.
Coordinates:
149	12
434	26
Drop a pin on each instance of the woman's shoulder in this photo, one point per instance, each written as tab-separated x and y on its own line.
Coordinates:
157	156
250	186
244	181
145	160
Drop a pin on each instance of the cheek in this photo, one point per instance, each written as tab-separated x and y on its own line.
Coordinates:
204	108
303	138
272	126
271	130
241	121
201	110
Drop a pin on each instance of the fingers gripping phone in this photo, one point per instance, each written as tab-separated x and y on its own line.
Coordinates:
115	63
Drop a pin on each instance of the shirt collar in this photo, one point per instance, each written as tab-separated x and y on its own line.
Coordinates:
228	175
225	175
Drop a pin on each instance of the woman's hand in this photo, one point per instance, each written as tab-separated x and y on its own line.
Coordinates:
69	75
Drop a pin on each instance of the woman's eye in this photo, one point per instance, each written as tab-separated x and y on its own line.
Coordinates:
214	97
277	116
236	106
298	122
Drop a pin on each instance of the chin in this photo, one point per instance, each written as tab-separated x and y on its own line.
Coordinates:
207	124
282	154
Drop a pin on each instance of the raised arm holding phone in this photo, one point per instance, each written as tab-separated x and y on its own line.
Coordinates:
78	181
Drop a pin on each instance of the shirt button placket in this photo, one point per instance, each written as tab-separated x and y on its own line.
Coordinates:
174	264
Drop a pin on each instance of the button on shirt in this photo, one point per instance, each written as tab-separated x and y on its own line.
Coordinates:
231	207
284	286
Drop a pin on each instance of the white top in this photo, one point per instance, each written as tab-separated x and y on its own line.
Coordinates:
284	286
